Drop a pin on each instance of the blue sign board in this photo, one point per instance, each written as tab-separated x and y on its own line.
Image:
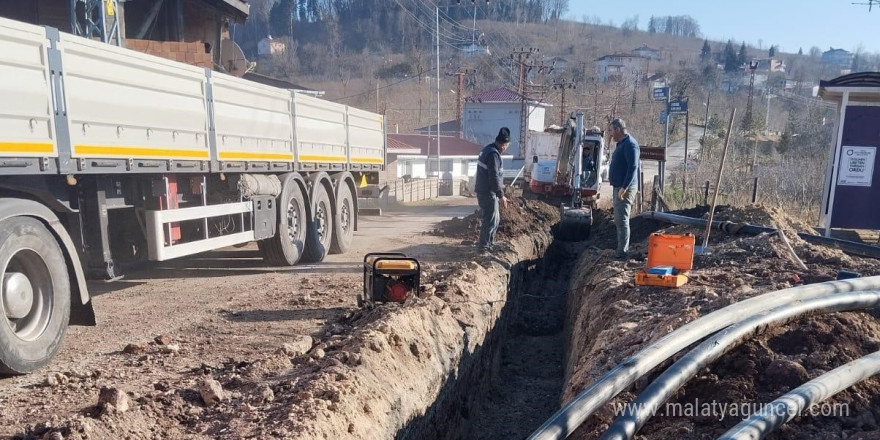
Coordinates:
678	107
661	93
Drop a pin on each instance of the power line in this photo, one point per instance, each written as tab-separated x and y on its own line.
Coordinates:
382	88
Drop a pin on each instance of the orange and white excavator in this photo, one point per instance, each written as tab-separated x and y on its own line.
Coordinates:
571	177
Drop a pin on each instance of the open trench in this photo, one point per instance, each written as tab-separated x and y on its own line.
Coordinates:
513	383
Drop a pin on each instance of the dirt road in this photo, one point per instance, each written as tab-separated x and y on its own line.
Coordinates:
217	308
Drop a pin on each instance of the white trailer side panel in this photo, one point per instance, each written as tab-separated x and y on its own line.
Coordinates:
252	121
321	134
125	104
26	123
366	137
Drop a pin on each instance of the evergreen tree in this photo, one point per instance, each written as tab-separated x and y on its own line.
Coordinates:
281	18
772	51
801	51
652	25
706	52
730	64
743	56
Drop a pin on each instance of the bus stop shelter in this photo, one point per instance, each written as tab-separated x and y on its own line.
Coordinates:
852	188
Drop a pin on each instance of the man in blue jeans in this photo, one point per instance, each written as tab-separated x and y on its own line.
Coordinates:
490	188
622	177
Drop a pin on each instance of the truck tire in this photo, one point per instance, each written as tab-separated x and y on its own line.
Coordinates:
343	221
286	247
320	228
34	298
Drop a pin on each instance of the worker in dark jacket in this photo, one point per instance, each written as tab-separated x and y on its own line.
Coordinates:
622	177
490	187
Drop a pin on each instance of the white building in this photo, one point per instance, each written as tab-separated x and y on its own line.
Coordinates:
269	46
647	52
619	66
486	112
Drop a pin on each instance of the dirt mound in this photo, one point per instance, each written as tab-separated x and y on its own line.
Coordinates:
520	217
609	318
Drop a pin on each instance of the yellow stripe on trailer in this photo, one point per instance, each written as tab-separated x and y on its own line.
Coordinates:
26	147
366	160
314	158
230	155
94	150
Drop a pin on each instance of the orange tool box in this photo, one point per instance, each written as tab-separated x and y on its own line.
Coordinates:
668	250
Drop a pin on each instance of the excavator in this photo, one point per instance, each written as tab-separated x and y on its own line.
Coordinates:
573	178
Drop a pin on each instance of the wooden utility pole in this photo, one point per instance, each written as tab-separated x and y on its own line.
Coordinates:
520	56
460	94
563	85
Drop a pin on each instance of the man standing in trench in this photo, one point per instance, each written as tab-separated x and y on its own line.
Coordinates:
622	177
490	188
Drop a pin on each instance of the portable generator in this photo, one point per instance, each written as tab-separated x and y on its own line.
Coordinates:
389	277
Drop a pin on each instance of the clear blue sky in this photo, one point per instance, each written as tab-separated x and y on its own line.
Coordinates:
787	23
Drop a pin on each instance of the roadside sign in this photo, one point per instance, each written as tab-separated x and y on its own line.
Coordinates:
652	153
661	93
678	107
663	117
857	166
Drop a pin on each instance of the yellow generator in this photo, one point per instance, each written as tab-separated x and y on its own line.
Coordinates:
389	277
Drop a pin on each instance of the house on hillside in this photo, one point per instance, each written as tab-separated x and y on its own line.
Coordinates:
190	31
485	113
647	52
769	65
269	46
617	66
281	84
473	49
837	58
560	64
448	128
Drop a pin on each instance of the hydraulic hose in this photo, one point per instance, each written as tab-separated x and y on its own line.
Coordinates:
566	420
667	384
795	402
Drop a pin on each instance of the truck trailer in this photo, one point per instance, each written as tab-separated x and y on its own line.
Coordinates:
109	156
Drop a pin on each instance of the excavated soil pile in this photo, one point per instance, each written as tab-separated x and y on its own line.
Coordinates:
520	217
609	319
374	373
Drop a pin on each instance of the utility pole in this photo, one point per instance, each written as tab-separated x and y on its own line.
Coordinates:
437	23
520	56
753	65
767	115
460	95
563	85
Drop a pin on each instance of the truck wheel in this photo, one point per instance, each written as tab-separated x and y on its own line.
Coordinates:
34	295
320	228
286	247
343	221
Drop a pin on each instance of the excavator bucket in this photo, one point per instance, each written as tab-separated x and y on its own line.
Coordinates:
574	225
